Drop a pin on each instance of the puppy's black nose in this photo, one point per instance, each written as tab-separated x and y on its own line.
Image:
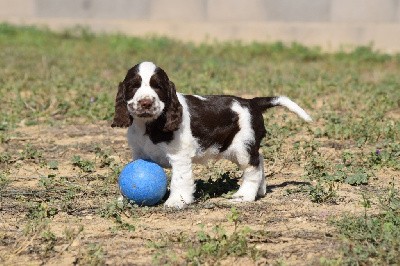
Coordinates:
145	103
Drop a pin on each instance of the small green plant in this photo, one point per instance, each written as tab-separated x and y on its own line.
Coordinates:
347	158
366	203
41	211
234	217
352	175
322	192
359	177
37	229
47	181
4	137
93	254
114	210
69	197
53	165
86	166
5	157
48	240
71	234
4	180
31	152
388	156
106	160
105	157
115	171
317	168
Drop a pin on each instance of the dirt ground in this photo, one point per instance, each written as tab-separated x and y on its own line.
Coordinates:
292	230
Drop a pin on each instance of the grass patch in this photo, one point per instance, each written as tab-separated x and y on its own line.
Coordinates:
59	77
212	247
372	239
87	166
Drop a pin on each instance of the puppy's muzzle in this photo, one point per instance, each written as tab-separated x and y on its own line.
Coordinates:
145	107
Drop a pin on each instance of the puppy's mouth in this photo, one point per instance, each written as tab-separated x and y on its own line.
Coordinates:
145	115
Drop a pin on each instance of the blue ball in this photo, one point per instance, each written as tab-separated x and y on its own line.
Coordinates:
143	182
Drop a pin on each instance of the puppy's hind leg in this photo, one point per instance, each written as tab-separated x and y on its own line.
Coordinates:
262	189
253	182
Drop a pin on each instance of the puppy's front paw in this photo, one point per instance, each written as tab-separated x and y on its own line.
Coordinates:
242	196
178	202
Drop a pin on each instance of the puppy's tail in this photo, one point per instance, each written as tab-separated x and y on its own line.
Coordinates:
264	103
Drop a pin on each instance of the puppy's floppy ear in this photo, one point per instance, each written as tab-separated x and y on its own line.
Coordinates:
173	111
122	118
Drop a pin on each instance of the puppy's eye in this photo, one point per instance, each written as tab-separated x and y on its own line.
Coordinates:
136	82
130	92
134	85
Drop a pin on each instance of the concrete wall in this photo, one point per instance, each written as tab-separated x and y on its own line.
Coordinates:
331	24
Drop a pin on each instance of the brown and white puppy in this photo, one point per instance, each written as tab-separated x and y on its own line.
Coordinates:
176	130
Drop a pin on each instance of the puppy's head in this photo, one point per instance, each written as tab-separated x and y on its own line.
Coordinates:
147	94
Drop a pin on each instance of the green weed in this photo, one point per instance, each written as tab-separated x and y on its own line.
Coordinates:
272	145
72	233
322	192
93	254
4	137
31	152
215	246
68	203
37	229
47	181
388	156
86	166
53	165
116	210
41	211
4	181
351	170
48	241
352	175
5	158
317	167
107	161
105	157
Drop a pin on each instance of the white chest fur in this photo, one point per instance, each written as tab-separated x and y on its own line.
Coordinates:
144	148
183	144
